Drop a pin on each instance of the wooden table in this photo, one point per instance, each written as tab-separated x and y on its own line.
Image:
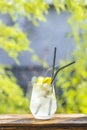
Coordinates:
58	122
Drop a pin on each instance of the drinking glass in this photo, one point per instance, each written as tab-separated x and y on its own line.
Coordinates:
43	101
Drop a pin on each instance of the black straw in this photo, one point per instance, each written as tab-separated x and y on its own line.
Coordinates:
61	69
54	59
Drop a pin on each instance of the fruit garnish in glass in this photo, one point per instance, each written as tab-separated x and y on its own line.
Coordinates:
43	92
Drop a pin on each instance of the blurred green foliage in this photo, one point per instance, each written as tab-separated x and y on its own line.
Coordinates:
12	98
71	82
13	41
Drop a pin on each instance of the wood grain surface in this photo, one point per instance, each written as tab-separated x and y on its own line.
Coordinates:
58	122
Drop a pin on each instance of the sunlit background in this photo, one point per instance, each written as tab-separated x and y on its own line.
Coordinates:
29	31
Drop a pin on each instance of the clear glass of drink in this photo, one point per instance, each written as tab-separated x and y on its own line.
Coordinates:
43	100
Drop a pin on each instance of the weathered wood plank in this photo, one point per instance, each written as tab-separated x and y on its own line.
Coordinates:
58	122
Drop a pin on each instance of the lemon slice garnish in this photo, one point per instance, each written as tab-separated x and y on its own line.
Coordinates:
47	80
39	80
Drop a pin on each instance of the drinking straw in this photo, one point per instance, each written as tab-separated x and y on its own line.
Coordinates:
54	59
37	109
63	67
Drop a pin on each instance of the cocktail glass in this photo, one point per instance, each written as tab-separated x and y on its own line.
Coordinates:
43	101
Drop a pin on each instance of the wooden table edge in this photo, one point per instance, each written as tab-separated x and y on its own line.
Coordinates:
34	122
